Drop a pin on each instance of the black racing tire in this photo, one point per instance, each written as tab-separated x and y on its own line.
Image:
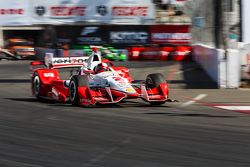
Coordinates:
154	80
75	82
36	85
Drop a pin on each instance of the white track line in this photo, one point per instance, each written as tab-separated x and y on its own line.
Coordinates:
186	70
238	108
199	97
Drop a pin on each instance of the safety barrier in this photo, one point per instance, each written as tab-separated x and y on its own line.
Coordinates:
155	52
224	70
245	61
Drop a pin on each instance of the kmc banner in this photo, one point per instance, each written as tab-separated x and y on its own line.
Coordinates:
15	12
117	35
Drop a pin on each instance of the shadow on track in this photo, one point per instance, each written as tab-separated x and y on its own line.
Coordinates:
120	105
128	104
190	115
30	99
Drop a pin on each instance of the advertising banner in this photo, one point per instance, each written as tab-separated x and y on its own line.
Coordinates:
101	11
123	35
173	34
128	35
132	11
58	11
27	12
14	12
79	35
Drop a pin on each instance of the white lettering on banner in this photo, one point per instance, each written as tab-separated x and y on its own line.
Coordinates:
171	36
123	35
129	10
67	10
11	11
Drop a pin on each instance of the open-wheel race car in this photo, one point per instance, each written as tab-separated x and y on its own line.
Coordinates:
95	81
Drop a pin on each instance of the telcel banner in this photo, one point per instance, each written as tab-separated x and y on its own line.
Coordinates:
15	12
58	11
101	11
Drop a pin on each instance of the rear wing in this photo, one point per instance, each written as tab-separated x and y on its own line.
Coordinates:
59	62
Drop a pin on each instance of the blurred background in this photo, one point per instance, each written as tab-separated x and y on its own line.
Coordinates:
129	30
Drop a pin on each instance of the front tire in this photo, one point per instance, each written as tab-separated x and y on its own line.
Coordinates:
75	82
153	81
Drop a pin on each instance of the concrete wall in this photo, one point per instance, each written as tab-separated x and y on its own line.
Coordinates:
224	71
245	61
207	57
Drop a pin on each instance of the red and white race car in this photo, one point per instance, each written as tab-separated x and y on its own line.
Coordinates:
95	81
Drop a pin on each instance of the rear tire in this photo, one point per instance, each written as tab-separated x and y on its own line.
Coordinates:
75	82
153	81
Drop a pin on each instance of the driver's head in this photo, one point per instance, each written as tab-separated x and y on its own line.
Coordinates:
101	67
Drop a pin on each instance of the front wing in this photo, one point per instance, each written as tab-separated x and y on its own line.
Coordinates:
92	96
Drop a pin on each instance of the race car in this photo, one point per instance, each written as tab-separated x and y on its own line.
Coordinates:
107	52
21	47
6	55
89	85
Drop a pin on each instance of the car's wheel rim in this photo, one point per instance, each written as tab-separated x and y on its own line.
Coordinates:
72	91
36	85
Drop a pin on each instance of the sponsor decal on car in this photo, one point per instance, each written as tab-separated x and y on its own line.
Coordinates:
67	60
121	73
48	74
130	90
55	92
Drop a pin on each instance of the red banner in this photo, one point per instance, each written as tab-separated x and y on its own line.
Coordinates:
170	34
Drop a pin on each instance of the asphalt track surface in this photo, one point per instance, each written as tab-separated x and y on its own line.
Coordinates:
133	134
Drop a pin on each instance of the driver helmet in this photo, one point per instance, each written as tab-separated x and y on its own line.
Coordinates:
102	67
